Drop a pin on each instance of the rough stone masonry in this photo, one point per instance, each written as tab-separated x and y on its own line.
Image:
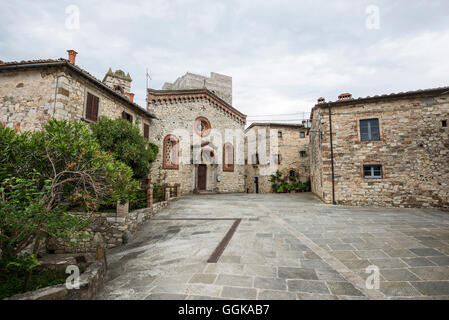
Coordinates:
408	151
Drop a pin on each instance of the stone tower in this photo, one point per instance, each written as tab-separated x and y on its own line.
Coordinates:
118	81
219	84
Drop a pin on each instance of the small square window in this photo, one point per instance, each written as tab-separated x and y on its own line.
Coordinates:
279	134
369	130
372	171
444	123
303	154
302	134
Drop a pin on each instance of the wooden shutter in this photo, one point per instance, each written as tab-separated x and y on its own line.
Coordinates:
146	131
95	108
92	107
89	106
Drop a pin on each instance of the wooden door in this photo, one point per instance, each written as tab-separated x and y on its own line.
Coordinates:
256	184
202	172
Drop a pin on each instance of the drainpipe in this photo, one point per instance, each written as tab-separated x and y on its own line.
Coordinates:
332	155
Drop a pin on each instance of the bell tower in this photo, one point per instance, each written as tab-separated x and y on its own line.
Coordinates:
118	81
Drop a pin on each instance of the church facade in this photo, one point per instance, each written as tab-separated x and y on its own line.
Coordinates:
199	134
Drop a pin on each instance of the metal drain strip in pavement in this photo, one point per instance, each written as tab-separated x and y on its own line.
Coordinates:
216	254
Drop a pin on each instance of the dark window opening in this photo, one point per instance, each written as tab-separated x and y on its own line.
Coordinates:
303	154
444	123
302	134
127	116
372	171
118	89
369	130
292	174
279	134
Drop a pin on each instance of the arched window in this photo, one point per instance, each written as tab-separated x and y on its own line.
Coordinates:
118	89
171	151
228	157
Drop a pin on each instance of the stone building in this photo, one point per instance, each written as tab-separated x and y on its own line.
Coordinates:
218	84
275	146
199	134
389	150
32	92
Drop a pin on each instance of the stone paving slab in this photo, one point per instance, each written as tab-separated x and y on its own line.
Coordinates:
286	247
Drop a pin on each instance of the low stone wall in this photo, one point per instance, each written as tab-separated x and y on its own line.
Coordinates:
91	284
116	228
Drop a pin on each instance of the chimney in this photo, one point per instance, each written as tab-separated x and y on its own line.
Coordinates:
131	96
321	100
72	56
345	96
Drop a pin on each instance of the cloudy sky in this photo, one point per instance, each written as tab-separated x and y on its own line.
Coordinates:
282	55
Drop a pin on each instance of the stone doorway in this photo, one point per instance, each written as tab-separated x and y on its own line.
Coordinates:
202	177
256	184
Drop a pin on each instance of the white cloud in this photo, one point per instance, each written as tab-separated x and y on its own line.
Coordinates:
282	55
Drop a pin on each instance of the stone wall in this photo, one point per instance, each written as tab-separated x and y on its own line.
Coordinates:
115	228
91	284
290	143
30	97
177	117
219	84
413	150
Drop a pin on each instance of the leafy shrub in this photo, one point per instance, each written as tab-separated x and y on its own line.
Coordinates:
125	142
45	172
280	184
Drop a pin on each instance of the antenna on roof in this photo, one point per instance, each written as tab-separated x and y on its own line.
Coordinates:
147	75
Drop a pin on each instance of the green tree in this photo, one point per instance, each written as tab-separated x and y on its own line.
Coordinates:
43	173
126	143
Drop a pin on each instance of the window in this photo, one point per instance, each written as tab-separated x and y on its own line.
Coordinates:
228	157
302	134
92	107
118	89
279	134
303	154
146	131
277	158
292	174
372	171
369	130
127	116
170	155
202	126
444	123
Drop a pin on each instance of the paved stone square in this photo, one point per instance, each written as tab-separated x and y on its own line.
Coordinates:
287	246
